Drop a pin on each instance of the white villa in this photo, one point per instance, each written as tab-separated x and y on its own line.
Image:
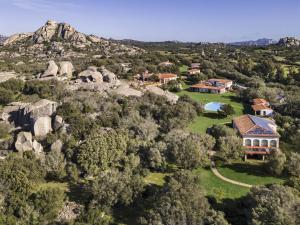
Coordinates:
259	135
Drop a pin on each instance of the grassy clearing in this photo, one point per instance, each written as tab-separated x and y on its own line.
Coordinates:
156	179
207	120
183	69
250	172
46	185
217	188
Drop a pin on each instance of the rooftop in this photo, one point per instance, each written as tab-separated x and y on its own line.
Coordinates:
259	101
224	81
259	107
167	75
253	125
206	86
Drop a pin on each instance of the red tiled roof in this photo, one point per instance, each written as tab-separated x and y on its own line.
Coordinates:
259	101
243	123
252	126
259	107
167	75
224	81
204	86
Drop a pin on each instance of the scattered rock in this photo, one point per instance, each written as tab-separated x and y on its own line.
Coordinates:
51	70
24	142
37	148
42	126
4	76
91	75
58	122
66	69
20	63
108	76
57	146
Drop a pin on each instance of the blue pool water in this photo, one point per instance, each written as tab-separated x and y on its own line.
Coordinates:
213	106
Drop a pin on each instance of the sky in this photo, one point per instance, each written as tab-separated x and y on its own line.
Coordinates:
159	20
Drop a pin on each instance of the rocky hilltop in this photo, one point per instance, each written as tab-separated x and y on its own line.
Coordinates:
259	42
62	40
289	42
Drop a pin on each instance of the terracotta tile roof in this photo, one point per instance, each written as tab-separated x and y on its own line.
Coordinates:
167	75
259	101
224	81
243	123
259	107
255	126
205	86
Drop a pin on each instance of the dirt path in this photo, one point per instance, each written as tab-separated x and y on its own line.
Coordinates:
216	173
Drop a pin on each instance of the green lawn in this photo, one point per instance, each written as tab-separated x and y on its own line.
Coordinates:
183	69
210	118
217	188
251	172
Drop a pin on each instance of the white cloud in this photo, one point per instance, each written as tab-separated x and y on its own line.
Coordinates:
44	5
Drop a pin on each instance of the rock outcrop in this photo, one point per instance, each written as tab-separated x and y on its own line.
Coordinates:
158	91
289	42
108	76
25	143
54	31
51	70
91	75
58	122
66	69
36	117
16	37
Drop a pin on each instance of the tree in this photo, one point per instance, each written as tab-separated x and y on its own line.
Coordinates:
102	150
48	202
293	164
113	186
181	201
226	110
273	205
276	163
186	149
220	130
230	148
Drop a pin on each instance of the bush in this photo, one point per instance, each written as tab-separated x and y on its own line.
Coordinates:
6	96
276	163
15	85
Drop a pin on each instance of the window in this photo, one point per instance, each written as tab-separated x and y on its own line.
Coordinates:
264	143
273	143
248	142
256	142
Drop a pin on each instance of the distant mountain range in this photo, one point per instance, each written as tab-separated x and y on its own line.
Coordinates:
259	42
2	38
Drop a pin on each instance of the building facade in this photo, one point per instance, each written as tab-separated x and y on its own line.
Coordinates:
259	135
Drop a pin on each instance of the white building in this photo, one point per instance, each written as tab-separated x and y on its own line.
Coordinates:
259	135
261	107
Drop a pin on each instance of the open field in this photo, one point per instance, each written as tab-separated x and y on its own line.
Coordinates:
252	172
218	189
208	119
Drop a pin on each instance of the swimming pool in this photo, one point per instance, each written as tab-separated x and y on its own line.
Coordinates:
213	106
